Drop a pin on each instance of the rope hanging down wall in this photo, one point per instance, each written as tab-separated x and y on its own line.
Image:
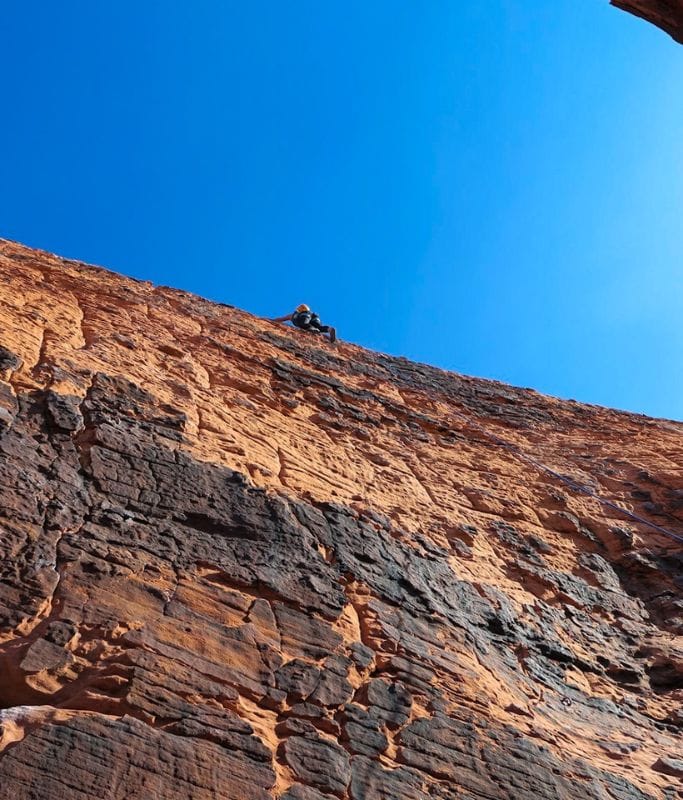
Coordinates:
570	482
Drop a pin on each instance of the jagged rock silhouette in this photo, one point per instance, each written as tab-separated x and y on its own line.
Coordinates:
238	562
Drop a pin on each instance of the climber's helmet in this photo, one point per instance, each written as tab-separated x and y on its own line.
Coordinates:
303	307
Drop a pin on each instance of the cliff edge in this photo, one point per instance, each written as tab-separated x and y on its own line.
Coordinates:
238	562
665	14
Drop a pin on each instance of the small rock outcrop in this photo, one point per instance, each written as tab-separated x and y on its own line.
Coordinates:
665	14
238	562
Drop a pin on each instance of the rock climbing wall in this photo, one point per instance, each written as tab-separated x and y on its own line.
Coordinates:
239	562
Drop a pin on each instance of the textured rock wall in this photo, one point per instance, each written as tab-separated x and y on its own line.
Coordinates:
238	562
666	14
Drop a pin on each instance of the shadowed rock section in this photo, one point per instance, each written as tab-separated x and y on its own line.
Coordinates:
235	563
666	14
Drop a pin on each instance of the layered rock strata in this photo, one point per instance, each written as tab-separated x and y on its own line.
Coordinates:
238	562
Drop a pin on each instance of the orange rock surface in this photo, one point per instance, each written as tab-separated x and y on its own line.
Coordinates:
238	561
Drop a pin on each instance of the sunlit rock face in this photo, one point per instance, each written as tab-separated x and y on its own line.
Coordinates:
239	562
666	14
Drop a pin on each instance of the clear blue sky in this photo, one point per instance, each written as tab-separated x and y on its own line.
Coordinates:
492	187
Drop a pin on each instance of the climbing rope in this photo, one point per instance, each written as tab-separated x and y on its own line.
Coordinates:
574	485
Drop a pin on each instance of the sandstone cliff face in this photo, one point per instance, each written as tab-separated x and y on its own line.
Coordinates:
666	14
237	562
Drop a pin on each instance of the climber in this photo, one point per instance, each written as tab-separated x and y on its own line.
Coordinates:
307	320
